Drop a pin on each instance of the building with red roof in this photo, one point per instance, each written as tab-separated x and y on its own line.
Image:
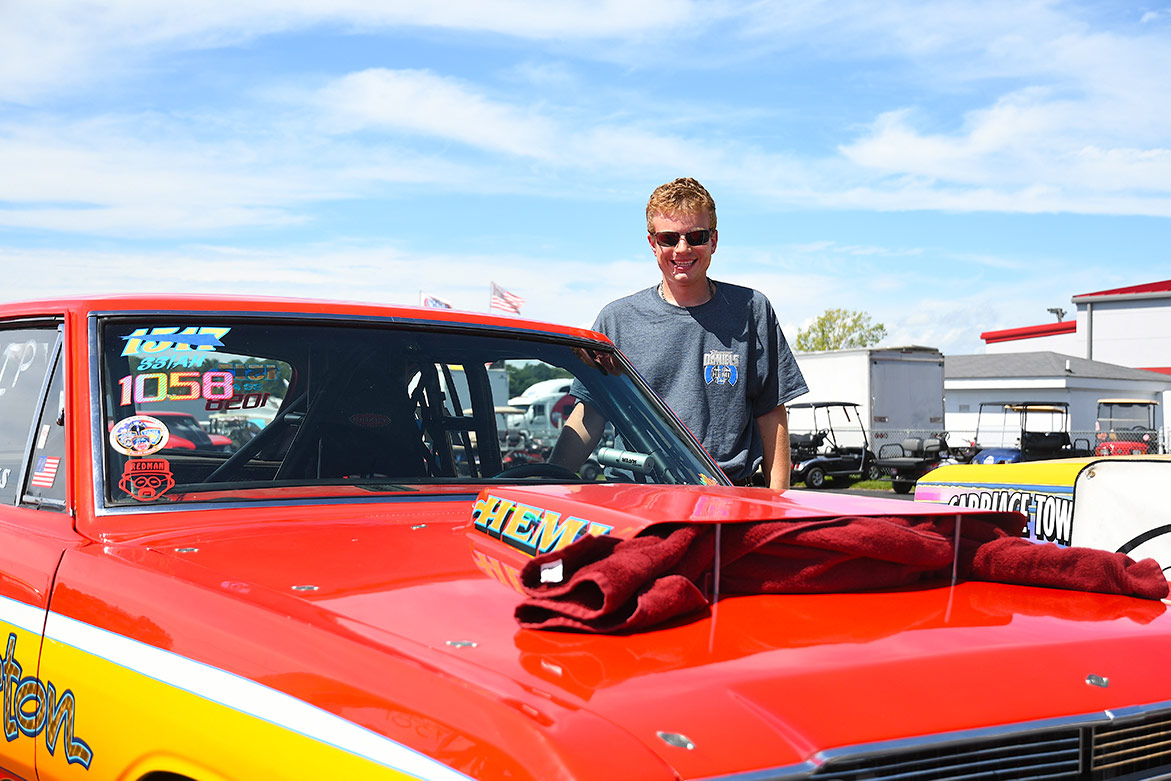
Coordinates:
1127	326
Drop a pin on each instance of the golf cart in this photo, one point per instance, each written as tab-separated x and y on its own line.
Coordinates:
835	444
1126	427
905	463
1043	427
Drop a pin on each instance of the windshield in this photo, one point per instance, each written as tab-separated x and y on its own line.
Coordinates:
1000	424
833	425
1123	416
249	408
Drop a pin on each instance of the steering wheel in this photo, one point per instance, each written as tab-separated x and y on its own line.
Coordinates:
539	470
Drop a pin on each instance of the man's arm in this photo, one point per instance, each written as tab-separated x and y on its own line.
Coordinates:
774	430
580	434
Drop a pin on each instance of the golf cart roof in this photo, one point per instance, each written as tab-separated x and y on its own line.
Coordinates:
810	404
1144	402
1030	406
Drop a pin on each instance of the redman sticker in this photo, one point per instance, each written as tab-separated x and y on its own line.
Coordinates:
139	435
147	479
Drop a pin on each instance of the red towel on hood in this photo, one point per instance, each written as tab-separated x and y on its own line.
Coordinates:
604	584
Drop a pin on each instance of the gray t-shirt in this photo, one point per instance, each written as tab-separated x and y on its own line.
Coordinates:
719	365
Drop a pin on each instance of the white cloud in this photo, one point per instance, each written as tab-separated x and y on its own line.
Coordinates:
159	175
422	102
1006	161
833	248
53	45
108	178
358	136
438	107
1082	126
1084	129
909	29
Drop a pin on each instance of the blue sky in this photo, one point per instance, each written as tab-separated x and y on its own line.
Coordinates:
947	167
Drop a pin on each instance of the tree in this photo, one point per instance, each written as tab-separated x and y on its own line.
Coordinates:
840	329
521	377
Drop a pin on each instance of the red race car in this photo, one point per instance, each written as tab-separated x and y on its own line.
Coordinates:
359	587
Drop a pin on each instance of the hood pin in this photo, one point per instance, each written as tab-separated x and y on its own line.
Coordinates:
676	739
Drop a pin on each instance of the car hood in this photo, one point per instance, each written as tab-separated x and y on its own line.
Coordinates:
781	677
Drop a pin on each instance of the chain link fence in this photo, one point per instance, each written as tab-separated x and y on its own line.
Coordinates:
889	442
962	445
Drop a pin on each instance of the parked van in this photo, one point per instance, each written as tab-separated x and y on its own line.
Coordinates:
899	390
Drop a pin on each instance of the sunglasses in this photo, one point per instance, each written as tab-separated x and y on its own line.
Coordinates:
671	238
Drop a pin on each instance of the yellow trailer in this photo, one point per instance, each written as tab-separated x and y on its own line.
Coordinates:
1117	503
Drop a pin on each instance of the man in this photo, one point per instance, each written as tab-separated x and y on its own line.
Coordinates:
712	350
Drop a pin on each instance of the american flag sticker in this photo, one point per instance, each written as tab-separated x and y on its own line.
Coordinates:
45	472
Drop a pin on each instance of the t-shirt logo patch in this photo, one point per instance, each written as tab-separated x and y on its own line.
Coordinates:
721	367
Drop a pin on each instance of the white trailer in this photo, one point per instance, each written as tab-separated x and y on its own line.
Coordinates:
899	389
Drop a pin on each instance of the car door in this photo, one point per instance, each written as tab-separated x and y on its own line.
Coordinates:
35	527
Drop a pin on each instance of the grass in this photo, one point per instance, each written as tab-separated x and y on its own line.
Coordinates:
869	485
873	485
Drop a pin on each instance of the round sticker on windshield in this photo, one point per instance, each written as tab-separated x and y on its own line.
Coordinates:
139	435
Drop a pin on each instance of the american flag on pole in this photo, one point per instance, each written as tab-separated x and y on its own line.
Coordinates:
45	472
433	301
505	301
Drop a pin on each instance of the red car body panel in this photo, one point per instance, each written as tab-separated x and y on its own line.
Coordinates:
1122	448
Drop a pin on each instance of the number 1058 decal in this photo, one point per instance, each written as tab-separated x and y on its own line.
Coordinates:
176	386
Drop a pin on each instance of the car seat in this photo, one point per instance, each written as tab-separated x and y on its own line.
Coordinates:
360	425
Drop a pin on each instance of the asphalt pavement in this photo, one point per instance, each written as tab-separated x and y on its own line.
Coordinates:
869	492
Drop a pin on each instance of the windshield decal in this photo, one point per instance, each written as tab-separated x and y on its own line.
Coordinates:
20	357
158	363
253	371
238	401
139	435
369	420
151	387
147	479
177	338
45	471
